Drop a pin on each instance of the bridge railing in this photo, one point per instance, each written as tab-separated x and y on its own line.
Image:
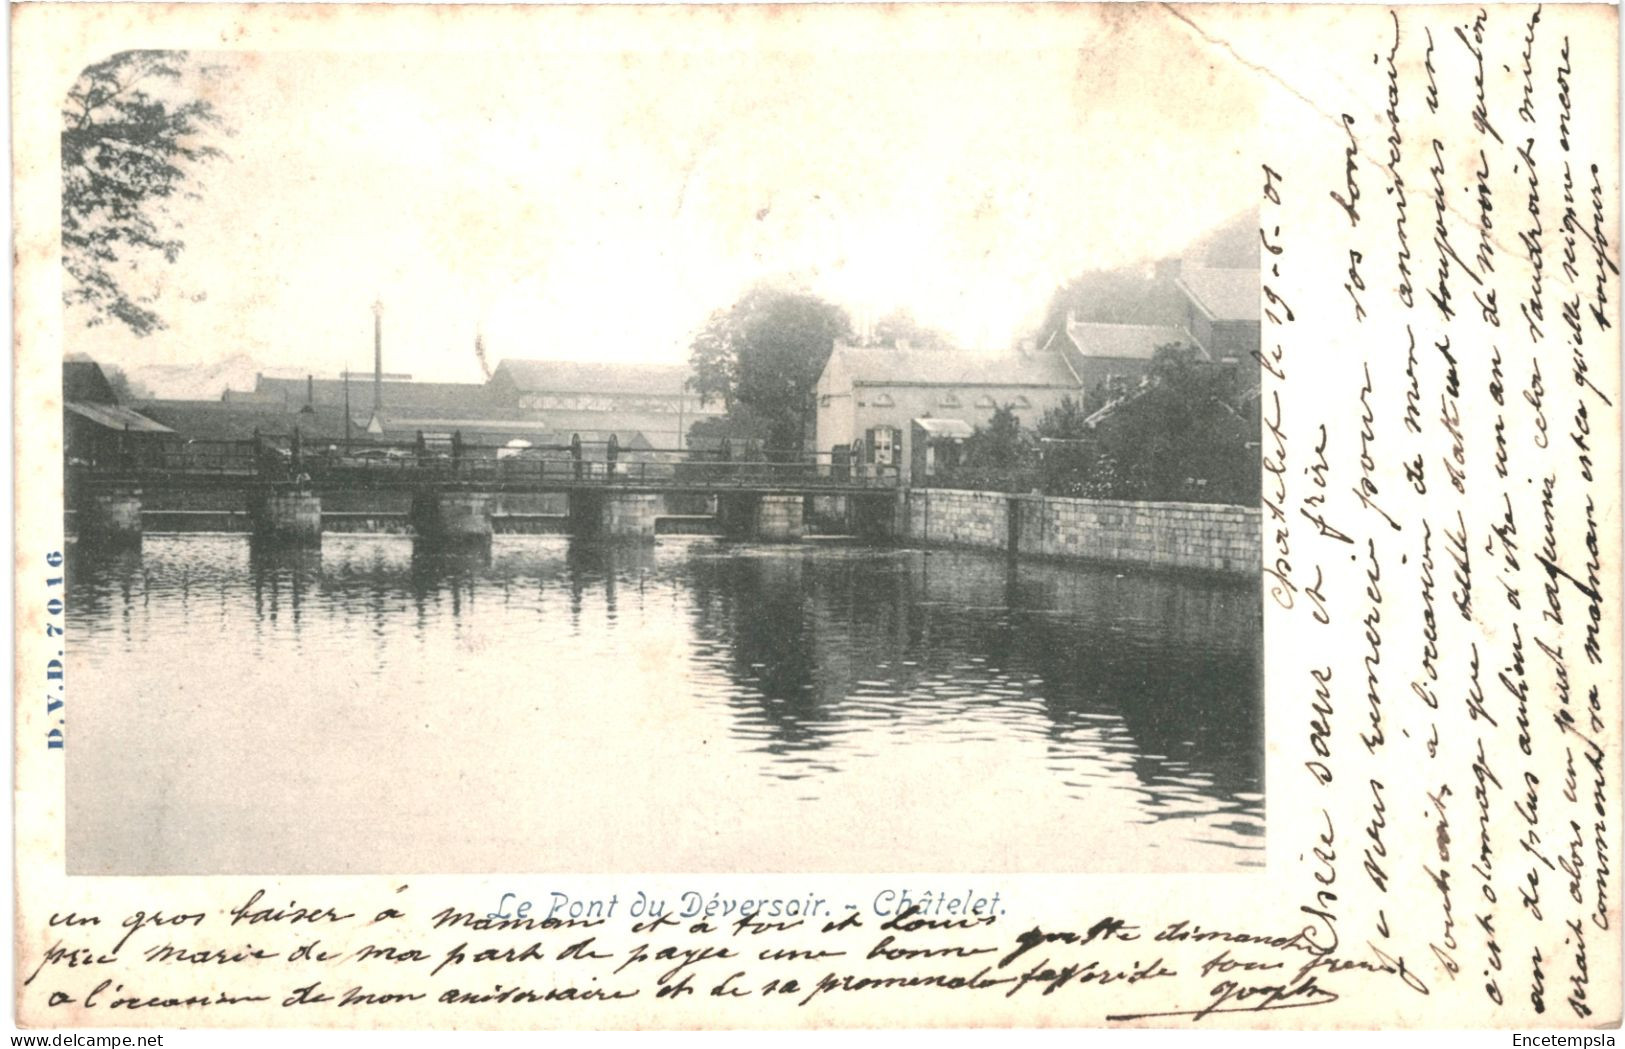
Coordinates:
552	472
196	456
279	460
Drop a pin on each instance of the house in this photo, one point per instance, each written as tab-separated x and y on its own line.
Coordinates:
646	405
219	421
398	398
383	407
396	408
84	382
938	445
1222	310
876	396
1107	354
96	429
636	408
215	435
1219	322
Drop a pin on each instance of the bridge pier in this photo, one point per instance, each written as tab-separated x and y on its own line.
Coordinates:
876	516
766	518
614	516
286	518
778	518
450	520
110	517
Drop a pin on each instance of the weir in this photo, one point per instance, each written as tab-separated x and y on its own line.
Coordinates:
286	517
614	516
876	516
110	517
443	520
766	518
778	518
293	495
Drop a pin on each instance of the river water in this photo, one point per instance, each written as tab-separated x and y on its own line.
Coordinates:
694	706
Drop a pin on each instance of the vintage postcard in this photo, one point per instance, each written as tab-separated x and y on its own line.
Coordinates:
817	516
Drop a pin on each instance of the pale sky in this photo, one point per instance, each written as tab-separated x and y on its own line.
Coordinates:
600	205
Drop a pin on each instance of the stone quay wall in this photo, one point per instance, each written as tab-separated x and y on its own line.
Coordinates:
1201	536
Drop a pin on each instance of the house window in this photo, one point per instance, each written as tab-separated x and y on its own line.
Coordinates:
985	401
884	401
884	444
949	400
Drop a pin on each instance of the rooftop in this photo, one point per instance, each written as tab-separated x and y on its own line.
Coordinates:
84	381
876	366
431	399
218	421
945	427
1124	341
533	376
116	418
1226	295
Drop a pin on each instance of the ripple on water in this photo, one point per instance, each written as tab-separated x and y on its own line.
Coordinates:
1128	705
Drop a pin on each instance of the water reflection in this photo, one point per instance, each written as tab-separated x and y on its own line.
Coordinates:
759	611
1153	674
1072	698
282	578
604	567
455	572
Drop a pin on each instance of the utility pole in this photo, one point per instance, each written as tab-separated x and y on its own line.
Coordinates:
346	409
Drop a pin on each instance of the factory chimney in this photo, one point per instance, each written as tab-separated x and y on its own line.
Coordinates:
377	359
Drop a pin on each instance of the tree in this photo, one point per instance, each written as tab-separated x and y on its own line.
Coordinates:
740	426
762	357
1067	449
1120	296
1066	421
714	358
128	146
124	390
898	329
1182	437
1001	445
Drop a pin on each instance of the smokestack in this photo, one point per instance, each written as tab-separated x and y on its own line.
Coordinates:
479	353
377	359
310	395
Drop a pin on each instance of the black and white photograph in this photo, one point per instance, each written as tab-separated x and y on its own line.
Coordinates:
816	517
601	461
